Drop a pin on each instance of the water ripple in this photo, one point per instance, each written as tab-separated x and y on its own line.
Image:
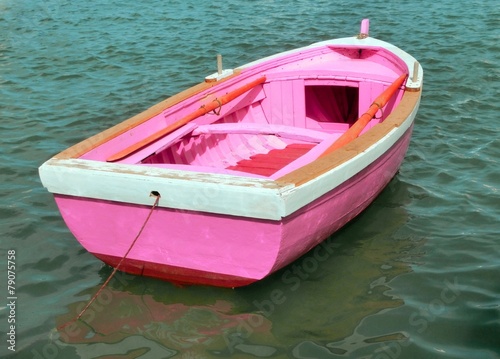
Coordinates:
71	69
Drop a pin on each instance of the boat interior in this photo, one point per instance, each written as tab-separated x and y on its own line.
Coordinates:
264	131
260	140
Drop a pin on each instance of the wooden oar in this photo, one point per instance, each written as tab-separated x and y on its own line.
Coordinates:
218	102
361	122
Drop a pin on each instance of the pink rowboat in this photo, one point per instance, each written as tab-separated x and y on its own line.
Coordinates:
255	166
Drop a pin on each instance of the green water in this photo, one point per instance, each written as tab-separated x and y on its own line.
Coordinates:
415	276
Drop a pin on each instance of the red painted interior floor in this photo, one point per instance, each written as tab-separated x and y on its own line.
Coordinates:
271	162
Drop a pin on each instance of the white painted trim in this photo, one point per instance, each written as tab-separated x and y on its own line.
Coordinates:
184	190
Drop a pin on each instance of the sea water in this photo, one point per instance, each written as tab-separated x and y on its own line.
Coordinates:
415	276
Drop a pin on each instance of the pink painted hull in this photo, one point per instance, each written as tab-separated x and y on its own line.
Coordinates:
215	249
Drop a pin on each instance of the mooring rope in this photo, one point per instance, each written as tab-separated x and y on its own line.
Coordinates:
157	199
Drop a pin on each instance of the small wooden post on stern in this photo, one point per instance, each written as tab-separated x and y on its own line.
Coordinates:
221	73
219	64
416	65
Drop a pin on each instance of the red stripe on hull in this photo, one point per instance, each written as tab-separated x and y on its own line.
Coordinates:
173	274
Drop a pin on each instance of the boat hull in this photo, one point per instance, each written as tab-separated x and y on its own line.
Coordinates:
193	247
